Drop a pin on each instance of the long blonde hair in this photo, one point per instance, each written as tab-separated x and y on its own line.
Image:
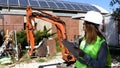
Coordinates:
92	32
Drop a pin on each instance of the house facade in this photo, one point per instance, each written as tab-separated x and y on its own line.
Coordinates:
13	16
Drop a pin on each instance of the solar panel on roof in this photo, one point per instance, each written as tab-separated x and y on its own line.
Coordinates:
43	4
68	6
60	5
95	8
75	6
90	7
34	3
82	7
56	4
13	2
50	0
24	2
52	5
3	2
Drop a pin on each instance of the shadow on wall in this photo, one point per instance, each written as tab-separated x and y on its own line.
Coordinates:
1	38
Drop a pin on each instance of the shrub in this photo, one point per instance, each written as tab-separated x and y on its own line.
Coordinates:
22	39
39	35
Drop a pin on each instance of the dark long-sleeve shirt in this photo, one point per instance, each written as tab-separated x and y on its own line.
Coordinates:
101	60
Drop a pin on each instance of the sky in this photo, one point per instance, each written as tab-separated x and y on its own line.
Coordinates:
102	3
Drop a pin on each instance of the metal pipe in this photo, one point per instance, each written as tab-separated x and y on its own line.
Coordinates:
3	23
2	17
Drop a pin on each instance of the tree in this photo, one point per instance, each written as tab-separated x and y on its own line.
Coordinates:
116	10
113	2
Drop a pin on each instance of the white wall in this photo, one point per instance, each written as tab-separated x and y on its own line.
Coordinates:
81	32
111	31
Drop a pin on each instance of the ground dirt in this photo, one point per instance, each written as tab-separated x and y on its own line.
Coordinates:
54	62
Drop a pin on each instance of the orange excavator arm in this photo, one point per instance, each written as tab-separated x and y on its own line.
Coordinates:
60	25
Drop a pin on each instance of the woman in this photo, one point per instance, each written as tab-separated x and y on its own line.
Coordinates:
93	45
92	51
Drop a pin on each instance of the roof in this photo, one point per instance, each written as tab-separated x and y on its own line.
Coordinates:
101	9
48	4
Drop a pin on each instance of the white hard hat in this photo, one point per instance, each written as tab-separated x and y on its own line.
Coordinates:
93	17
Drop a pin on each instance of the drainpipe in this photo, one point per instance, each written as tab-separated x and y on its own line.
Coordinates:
3	24
2	17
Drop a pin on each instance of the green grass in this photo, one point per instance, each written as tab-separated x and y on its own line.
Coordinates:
44	59
41	60
25	58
